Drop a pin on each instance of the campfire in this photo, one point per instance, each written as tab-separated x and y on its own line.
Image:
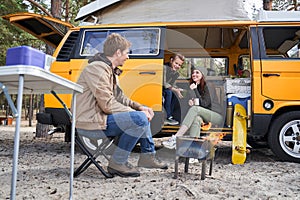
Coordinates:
215	137
202	149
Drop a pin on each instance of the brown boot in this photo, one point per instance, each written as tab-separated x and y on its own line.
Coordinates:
149	161
123	170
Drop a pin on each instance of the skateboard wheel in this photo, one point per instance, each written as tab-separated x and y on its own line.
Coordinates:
237	148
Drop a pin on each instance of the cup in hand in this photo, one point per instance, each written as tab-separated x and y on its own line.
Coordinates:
196	101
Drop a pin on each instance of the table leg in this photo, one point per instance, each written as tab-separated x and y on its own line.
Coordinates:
72	144
17	138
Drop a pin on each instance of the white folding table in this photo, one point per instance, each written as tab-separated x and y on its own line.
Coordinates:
25	79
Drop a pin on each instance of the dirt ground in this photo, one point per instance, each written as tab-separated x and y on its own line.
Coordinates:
44	169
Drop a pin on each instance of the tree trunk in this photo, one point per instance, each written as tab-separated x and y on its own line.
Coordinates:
42	129
56	8
30	111
295	2
267	4
67	11
40	7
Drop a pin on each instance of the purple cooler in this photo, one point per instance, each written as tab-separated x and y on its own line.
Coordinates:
24	55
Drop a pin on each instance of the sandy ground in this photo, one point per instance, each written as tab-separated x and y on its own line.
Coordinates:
43	173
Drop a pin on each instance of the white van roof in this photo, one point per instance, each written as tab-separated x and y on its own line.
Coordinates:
128	11
278	16
93	7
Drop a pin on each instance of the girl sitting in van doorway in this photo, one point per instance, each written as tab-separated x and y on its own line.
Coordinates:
203	111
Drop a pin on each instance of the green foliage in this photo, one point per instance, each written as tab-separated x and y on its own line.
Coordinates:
42	3
11	6
282	4
74	7
11	36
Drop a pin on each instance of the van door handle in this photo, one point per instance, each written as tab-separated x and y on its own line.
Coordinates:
268	75
150	73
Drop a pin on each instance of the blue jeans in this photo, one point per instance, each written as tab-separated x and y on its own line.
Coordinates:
131	127
168	103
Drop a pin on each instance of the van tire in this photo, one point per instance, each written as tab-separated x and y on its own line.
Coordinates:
282	138
257	144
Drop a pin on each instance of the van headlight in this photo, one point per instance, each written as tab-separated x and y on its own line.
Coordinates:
268	104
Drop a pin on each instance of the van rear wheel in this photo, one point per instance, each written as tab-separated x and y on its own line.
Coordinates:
284	136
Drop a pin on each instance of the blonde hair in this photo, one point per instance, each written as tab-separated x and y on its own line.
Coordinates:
178	55
114	42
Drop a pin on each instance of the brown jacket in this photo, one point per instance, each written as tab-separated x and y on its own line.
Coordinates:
101	96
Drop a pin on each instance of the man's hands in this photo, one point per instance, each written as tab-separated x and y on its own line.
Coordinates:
148	112
177	91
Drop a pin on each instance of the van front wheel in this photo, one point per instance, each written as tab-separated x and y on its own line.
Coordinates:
284	136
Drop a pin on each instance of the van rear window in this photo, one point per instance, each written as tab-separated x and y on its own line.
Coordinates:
144	41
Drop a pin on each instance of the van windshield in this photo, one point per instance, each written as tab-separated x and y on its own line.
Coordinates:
144	41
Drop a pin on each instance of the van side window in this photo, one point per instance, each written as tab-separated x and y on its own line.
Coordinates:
67	50
282	42
144	41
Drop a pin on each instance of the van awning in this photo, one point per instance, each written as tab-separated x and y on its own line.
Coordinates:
128	11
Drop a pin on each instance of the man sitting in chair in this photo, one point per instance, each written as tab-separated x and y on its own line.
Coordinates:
103	106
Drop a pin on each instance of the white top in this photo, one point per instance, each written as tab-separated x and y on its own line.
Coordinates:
36	80
278	16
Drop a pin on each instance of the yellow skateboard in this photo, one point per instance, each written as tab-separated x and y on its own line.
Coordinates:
239	135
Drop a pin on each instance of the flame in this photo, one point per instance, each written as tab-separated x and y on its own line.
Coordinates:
215	137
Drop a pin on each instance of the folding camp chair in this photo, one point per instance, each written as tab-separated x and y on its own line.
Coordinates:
100	148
